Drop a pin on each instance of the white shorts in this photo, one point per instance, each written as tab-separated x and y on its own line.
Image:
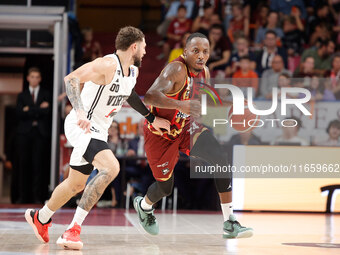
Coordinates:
79	140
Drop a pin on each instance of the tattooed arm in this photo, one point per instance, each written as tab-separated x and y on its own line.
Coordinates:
170	81
99	71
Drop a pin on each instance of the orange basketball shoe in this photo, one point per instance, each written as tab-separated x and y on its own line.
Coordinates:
40	230
70	239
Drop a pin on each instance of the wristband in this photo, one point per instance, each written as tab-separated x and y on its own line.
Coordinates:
150	117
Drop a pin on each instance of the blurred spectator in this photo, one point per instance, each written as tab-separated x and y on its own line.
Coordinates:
293	37
245	138
242	49
138	172
333	131
175	53
203	23
245	77
177	28
320	89
239	24
118	147
334	75
320	25
286	7
266	55
290	133
322	56
285	81
306	68
162	29
270	77
271	24
91	48
261	17
33	110
220	48
173	9
115	142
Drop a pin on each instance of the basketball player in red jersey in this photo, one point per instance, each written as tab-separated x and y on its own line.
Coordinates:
169	97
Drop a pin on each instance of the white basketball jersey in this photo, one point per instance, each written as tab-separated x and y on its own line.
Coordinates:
101	103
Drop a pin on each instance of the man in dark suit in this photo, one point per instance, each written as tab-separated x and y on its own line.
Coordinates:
265	56
33	109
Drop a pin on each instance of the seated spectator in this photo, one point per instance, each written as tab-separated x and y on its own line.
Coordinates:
321	33
334	75
321	25
177	28
322	56
284	81
242	49
261	17
266	55
293	37
286	7
320	89
220	49
306	68
333	131
171	14
290	133
270	77
239	24
246	138
245	77
203	22
272	24
138	173
91	48
175	53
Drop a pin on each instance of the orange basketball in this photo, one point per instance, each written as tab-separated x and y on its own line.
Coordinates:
243	123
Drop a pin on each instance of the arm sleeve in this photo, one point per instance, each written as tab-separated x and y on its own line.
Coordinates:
136	103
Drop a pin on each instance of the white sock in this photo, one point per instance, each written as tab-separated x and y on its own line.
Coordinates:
145	206
45	214
227	210
79	217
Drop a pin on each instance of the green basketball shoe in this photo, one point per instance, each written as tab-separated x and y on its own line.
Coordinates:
233	229
146	218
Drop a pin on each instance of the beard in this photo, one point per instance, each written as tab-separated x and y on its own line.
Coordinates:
137	61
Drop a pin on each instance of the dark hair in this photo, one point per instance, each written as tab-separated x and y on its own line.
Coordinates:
323	43
270	31
245	57
181	6
217	26
207	5
285	74
33	69
194	35
127	36
336	55
335	123
298	121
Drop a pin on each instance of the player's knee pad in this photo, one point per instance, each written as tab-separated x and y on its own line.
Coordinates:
158	190
223	184
166	187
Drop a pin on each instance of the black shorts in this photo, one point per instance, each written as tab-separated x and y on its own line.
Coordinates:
92	149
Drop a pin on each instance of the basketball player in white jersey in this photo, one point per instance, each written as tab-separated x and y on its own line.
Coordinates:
109	82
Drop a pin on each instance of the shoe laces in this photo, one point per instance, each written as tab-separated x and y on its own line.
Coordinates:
237	224
151	219
75	229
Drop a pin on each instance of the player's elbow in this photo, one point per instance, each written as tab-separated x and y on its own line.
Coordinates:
148	97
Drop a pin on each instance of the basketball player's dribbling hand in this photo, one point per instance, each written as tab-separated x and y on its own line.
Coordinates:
160	123
83	122
191	107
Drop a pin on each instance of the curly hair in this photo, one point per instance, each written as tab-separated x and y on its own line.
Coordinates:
127	36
